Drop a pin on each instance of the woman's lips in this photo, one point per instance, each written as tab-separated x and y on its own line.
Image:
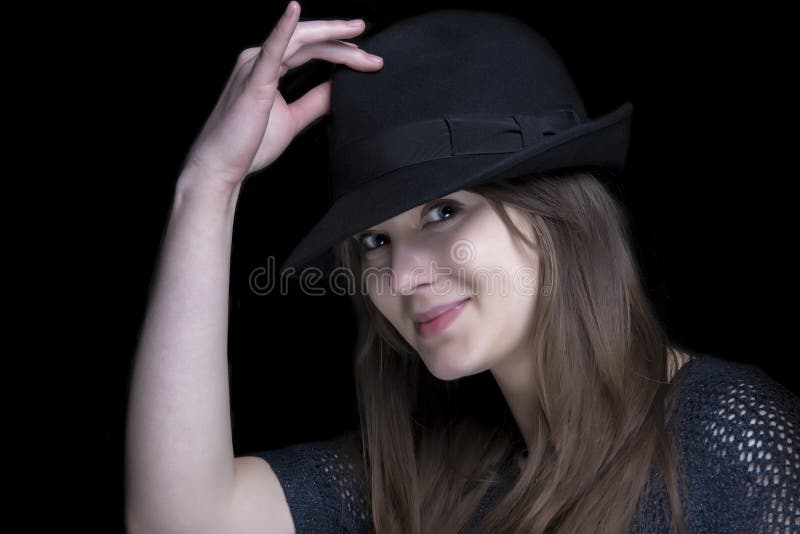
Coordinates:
441	321
435	311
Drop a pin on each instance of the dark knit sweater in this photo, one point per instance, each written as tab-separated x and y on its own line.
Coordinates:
739	436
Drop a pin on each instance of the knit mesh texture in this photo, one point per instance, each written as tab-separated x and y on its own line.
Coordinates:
318	483
738	443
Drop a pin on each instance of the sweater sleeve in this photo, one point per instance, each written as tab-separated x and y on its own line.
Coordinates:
741	430
318	482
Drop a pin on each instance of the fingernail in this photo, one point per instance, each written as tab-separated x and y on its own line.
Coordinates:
355	22
374	59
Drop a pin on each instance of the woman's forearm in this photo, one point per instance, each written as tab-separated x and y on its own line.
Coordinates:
179	451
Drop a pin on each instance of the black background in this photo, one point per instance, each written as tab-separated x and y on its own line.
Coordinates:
709	202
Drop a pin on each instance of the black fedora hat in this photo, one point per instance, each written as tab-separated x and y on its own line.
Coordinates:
464	97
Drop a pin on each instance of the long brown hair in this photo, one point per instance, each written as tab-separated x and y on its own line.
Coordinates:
428	450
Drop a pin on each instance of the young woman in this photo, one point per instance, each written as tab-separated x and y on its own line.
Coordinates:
511	374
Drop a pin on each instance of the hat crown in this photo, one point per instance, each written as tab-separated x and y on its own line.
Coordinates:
449	61
464	97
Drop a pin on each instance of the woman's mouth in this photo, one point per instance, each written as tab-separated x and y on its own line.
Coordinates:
440	322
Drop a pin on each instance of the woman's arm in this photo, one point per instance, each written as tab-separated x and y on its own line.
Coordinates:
180	469
179	451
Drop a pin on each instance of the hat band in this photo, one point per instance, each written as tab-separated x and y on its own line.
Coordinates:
361	161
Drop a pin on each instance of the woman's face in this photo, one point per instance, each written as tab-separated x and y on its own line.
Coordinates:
448	250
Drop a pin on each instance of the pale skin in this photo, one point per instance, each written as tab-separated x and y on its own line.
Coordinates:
181	475
438	254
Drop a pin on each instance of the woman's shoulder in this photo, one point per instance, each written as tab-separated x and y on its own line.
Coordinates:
708	377
717	393
738	431
321	482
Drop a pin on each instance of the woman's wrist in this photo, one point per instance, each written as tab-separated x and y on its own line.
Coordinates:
195	185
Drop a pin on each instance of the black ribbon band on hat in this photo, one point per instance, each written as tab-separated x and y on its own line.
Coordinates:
451	135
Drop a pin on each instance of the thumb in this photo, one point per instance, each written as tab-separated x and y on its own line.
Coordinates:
315	103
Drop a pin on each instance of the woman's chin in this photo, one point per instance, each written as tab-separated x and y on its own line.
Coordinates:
448	365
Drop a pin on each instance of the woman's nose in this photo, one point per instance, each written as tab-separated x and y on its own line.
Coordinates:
415	263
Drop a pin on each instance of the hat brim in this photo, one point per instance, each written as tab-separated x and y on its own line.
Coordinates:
601	142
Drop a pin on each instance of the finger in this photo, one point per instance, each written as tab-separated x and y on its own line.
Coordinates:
325	30
310	106
335	52
267	64
317	31
247	56
347	43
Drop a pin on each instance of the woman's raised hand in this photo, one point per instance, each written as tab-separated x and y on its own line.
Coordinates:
251	124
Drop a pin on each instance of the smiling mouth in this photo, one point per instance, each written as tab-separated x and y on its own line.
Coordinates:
441	322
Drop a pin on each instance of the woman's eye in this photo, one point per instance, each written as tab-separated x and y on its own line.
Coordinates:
446	208
365	239
442	212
